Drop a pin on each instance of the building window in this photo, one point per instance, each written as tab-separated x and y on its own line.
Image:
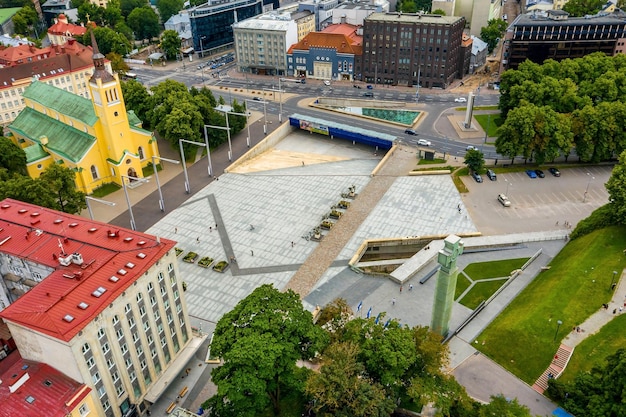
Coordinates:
140	152
153	300
119	390
116	319
100	333
135	336
127	308
131	322
91	362
142	310
94	172
102	391
86	348
139	297
120	334
124	348
150	286
105	348
96	377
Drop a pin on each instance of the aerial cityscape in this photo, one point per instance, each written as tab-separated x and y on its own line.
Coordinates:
312	208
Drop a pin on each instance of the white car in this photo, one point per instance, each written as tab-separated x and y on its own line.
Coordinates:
326	82
503	199
471	148
423	142
460	100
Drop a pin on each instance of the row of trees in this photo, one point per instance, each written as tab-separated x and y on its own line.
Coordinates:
176	112
553	108
55	188
368	366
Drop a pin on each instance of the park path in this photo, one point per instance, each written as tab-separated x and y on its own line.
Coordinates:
399	164
576	335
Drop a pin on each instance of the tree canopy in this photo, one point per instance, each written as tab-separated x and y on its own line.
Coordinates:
12	157
168	8
260	341
144	22
580	8
616	186
492	33
413	6
553	108
475	160
170	44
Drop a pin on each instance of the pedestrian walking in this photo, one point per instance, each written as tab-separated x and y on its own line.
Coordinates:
410	287
251	252
393	301
557	223
215	226
292	244
176	230
210	228
401	289
198	239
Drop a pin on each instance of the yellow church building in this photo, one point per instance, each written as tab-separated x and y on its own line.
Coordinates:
95	137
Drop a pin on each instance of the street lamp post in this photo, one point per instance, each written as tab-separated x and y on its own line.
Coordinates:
156	175
182	154
133	226
227	129
208	148
264	117
236	114
613	280
201	47
97	200
507	187
558	324
588	183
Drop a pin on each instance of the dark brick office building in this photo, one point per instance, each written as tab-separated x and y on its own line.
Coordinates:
554	34
400	48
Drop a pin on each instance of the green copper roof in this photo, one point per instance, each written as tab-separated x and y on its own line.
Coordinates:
63	140
35	153
133	120
64	102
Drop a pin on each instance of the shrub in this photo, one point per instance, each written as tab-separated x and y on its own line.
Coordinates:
600	218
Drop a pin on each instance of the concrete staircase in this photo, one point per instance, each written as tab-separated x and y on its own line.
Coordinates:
558	364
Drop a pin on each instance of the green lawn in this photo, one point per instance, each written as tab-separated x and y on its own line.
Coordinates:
431	162
462	283
593	350
105	190
521	338
481	291
493	269
489	122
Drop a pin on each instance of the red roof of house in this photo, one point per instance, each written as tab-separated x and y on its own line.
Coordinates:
342	38
62	27
22	53
37	389
72	296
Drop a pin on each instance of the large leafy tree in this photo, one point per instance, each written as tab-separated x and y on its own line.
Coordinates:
343	388
24	20
581	8
413	6
144	22
108	40
475	160
137	99
599	393
12	157
500	406
117	63
493	32
168	8
260	341
60	181
29	190
170	44
127	6
616	187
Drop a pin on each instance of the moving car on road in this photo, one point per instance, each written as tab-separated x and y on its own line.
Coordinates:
471	148
326	82
423	142
410	132
460	100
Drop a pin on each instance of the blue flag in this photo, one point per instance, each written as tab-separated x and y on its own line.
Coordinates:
377	318
369	313
387	324
358	308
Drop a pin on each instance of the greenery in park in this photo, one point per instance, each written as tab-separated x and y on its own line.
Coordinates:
170	44
481	291
144	22
462	283
12	157
61	184
616	186
493	269
25	20
108	41
117	63
366	368
108	16
490	123
555	107
577	284
597	393
413	6
260	341
595	348
127	6
493	32
168	8
475	160
175	112
105	189
580	8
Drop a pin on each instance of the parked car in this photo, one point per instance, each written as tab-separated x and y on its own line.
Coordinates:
370	87
257	99
491	175
460	100
423	142
368	94
326	82
504	200
531	173
410	132
554	172
476	177
540	173
471	148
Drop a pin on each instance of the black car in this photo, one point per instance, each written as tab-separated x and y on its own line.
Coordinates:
554	172
491	175
540	173
477	177
410	132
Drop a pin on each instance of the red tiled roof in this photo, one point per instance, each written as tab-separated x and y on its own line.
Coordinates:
44	391
341	42
13	54
63	28
46	236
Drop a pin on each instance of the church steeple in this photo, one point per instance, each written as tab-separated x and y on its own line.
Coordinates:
100	72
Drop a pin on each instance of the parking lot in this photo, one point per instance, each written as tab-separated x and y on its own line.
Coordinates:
536	204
